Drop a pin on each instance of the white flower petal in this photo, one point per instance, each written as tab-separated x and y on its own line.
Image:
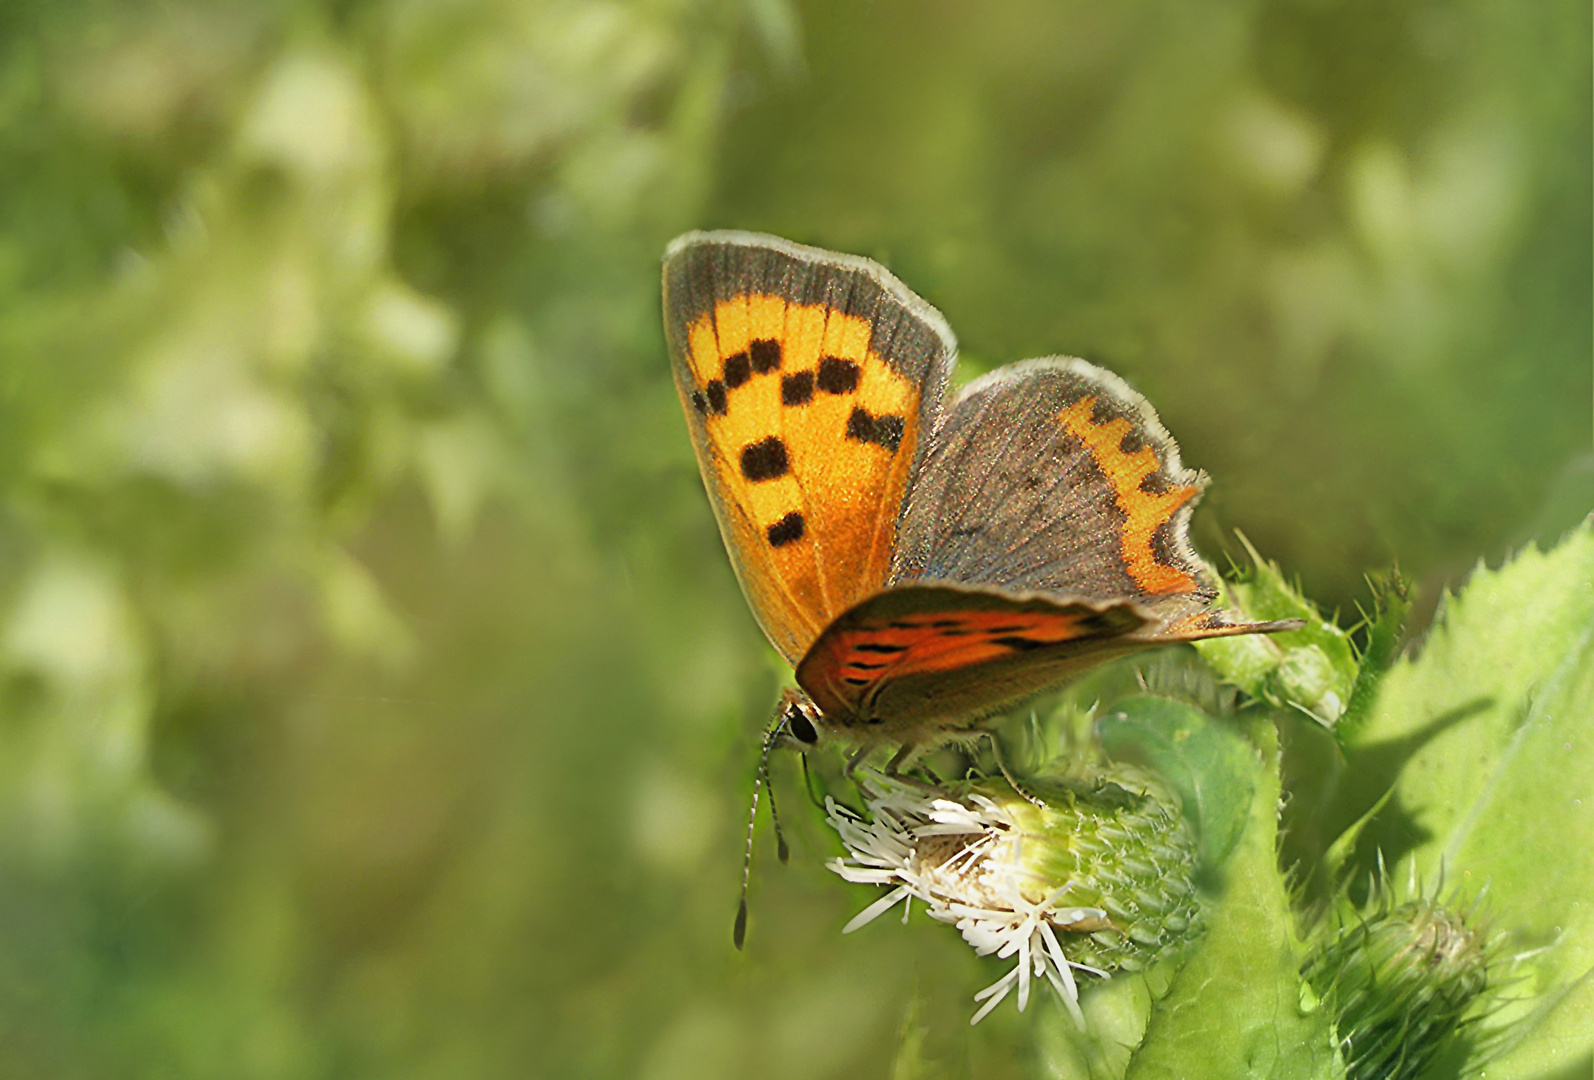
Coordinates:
979	885
878	908
1023	973
1069	991
996	992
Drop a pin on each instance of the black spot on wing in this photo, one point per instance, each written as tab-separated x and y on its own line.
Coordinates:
1132	442
837	376
765	459
738	369
1020	644
1165	548
877	647
788	530
720	268
883	431
714	394
699	402
888	432
764	355
1154	483
797	389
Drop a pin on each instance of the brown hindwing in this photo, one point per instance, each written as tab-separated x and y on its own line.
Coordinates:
1054	476
925	655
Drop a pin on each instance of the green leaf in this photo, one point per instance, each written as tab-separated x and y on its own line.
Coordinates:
1207	762
1234	1010
1496	718
1391	605
1116	1012
1551	1042
1454	712
1528	837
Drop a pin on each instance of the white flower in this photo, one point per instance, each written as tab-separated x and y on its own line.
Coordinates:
964	859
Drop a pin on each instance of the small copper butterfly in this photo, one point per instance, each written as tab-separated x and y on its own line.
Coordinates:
923	564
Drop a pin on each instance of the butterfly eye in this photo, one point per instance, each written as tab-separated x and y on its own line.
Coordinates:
800	727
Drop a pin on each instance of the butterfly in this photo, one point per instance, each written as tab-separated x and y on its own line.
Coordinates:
922	563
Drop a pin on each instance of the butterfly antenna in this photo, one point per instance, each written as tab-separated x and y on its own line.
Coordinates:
781	850
760	781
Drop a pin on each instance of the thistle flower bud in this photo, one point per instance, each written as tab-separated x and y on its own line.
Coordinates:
1093	876
1400	980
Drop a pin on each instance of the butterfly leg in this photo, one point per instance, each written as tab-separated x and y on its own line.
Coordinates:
808	785
900	759
854	761
1001	765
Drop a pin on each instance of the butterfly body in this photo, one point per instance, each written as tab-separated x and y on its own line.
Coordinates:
921	564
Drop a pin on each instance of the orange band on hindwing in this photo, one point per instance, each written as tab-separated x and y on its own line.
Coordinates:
1144	511
944	641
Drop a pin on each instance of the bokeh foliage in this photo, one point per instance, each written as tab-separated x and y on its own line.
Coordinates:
374	696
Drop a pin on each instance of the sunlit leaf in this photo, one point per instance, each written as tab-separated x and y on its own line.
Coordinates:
1235	1008
1208	762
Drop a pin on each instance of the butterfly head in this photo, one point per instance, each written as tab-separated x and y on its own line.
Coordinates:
798	719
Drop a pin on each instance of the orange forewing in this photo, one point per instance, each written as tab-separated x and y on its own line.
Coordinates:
845	491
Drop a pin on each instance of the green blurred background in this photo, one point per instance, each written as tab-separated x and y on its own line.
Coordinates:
375	697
